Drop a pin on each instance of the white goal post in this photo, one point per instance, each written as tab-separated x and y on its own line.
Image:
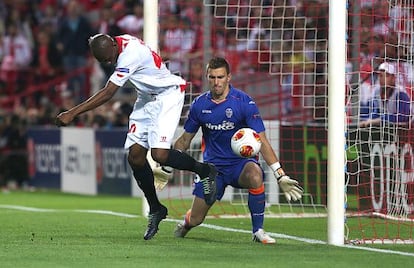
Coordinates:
336	121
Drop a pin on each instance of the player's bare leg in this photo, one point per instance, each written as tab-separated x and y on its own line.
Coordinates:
194	217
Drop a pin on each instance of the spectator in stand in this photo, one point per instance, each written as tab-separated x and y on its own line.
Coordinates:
22	16
46	63
48	14
390	104
168	6
382	21
315	12
47	60
176	43
15	157
235	52
195	79
367	88
196	76
107	25
133	22
16	57
73	30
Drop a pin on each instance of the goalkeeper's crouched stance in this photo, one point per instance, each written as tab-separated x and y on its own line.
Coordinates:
249	175
220	112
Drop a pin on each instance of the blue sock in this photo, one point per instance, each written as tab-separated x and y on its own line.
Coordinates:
256	205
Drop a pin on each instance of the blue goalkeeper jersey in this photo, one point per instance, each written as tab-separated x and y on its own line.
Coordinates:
219	121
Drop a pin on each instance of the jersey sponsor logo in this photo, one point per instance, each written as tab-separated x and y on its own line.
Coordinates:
229	112
122	70
206	111
225	125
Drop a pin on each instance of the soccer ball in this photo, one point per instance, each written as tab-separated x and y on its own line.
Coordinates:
246	142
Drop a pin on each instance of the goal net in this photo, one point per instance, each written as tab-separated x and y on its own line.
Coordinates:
272	49
380	181
278	54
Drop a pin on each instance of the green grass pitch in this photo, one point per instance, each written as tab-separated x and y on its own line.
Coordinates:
106	231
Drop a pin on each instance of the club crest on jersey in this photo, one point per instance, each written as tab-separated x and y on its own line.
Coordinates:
122	70
229	112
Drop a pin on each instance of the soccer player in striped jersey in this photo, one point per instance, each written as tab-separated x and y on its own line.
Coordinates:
154	119
219	113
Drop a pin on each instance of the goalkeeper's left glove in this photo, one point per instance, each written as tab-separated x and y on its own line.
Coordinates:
161	176
290	187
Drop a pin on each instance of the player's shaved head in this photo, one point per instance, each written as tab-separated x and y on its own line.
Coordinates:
103	48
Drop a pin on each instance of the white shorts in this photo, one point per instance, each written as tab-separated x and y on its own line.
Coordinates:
154	119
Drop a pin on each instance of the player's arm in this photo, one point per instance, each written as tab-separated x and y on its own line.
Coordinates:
99	98
290	187
184	141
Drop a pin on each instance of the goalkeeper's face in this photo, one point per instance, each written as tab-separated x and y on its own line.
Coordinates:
218	81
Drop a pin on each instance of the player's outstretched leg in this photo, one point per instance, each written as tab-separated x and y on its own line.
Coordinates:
154	220
207	172
210	186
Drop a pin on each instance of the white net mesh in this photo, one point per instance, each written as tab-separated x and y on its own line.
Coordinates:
287	41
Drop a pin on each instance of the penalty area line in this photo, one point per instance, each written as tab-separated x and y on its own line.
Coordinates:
209	226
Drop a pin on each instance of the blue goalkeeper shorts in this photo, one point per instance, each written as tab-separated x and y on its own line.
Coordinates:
227	175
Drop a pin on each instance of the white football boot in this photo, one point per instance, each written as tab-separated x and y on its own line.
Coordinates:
262	237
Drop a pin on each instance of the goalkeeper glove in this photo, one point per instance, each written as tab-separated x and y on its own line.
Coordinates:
290	187
161	177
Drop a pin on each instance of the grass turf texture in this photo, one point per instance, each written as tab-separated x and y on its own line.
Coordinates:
68	238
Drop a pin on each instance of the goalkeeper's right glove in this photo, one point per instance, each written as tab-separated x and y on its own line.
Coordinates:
290	187
161	177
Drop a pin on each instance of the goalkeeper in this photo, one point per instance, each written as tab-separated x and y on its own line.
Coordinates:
220	112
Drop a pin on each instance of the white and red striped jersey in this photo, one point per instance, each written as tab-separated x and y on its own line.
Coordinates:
143	67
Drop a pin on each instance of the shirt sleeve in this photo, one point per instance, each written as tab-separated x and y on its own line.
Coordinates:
192	124
253	118
127	64
403	108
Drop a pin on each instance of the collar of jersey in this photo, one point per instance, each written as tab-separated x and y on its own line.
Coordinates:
220	101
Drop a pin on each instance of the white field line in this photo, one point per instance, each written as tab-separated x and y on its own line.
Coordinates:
210	226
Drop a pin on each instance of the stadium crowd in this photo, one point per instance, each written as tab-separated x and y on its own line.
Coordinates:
46	66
